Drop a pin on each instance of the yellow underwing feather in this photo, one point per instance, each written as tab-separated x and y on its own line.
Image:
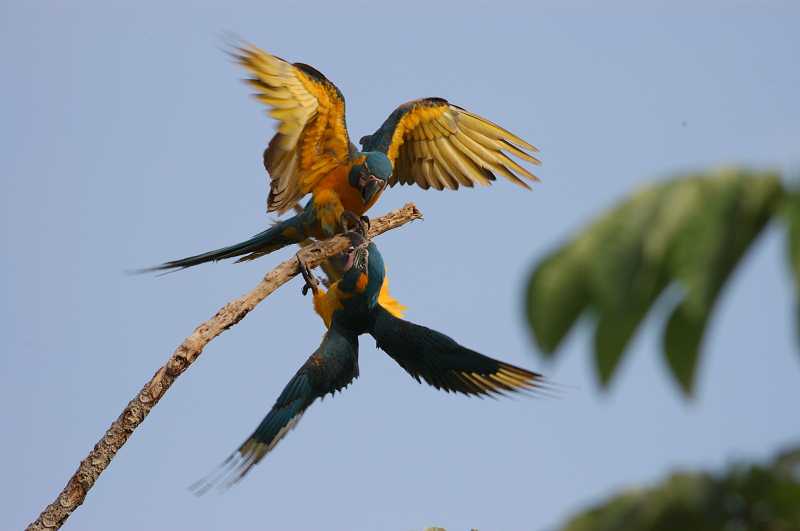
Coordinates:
311	139
389	303
435	144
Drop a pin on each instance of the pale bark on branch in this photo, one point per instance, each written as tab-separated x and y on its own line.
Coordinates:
74	493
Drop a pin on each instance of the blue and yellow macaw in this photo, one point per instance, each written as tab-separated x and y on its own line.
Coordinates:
350	307
429	142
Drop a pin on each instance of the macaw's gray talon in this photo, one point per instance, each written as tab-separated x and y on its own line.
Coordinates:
356	238
311	281
350	221
363	226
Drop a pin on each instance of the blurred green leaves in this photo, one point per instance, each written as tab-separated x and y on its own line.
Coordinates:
751	498
689	233
792	217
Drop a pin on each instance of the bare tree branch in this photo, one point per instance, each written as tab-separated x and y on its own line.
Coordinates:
55	514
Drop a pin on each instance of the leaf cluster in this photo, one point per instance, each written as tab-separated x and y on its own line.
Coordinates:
688	235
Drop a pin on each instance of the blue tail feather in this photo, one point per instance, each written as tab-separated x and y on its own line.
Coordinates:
283	233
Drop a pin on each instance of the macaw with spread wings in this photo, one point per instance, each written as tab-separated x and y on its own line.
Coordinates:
429	142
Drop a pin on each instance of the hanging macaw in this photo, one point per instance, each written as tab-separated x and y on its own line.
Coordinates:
429	142
349	308
334	268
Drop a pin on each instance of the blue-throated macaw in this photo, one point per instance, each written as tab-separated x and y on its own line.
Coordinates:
429	142
351	307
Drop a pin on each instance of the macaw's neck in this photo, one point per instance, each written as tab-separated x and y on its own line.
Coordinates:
349	197
376	271
357	292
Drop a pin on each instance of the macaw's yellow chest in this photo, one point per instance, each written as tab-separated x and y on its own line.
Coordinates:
333	195
337	182
326	303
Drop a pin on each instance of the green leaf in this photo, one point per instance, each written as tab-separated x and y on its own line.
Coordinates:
758	497
682	338
735	209
557	294
691	232
791	205
792	218
612	335
627	272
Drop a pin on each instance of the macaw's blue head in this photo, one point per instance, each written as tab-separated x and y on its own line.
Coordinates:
370	174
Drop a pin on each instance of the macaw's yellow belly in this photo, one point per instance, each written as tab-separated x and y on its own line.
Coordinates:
333	195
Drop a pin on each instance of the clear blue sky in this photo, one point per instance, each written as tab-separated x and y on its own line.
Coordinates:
127	139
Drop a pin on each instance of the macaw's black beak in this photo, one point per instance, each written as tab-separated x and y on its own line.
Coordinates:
357	258
349	259
361	259
357	254
371	186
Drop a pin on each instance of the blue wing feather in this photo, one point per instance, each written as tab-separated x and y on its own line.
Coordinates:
330	368
441	362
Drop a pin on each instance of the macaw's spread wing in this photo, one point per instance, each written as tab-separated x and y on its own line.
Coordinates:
329	369
312	133
443	363
434	143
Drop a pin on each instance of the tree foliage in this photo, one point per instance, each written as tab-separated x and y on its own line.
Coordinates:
688	233
752	498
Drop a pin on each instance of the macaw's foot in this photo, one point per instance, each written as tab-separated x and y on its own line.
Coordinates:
351	222
357	240
312	283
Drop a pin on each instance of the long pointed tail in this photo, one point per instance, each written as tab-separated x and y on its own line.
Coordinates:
444	364
276	237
